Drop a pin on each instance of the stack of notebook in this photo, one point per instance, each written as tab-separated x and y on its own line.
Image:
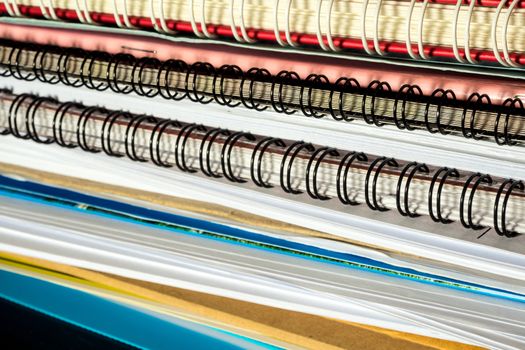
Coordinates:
263	174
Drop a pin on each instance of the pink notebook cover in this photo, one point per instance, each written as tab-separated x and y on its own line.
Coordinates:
140	46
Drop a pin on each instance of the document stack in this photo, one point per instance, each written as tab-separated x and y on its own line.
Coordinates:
255	174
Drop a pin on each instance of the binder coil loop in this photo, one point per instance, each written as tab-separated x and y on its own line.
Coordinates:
261	75
125	17
203	26
404	92
15	68
294	149
313	81
113	69
373	89
282	77
105	139
138	85
180	145
58	123
227	148
382	161
276	31
469	223
48	10
317	157
256	161
343	86
163	28
194	71
156	137
475	100
130	136
225	71
438	216
12	116
212	135
63	66
443	97
87	78
170	68
12	8
82	128
416	167
346	164
30	119
39	66
514	104
468	55
514	185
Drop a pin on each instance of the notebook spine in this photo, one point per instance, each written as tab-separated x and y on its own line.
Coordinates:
21	124
368	40
246	96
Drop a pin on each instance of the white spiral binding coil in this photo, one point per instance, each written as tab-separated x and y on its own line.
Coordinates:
125	17
493	34
48	10
83	14
408	39
12	8
319	32
329	28
504	34
457	9
467	32
163	25
287	33
204	28
364	40
276	30
243	38
420	46
376	29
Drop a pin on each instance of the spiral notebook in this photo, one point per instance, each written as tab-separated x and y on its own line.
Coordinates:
376	103
470	33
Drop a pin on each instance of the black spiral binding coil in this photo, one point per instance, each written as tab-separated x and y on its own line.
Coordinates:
343	169
403	93
501	225
475	100
75	68
180	145
227	149
315	162
156	136
373	89
515	104
438	216
381	162
443	96
256	161
204	157
107	126
416	167
24	108
343	86
479	179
